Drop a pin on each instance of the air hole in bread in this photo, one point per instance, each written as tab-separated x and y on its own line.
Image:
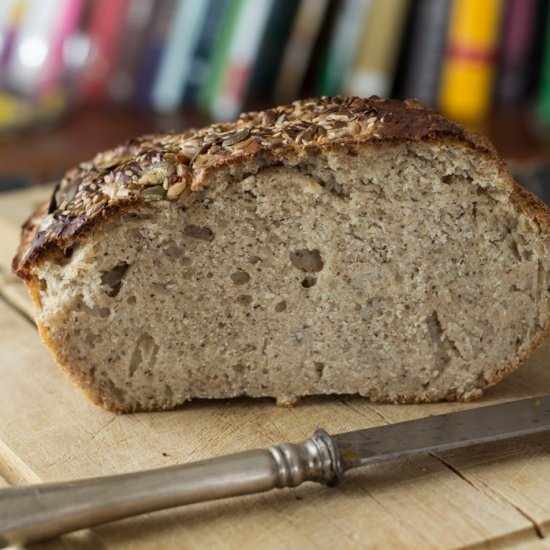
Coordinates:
103	312
309	281
144	353
113	278
319	369
240	277
309	261
280	307
200	232
244	299
172	250
442	347
91	339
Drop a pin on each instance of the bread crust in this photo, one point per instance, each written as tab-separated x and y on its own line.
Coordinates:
164	166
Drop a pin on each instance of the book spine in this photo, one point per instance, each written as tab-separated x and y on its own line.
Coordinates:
177	56
242	53
427	46
270	52
220	52
106	34
374	67
203	50
514	55
31	47
468	69
543	99
67	23
11	13
138	16
306	28
11	17
151	55
343	45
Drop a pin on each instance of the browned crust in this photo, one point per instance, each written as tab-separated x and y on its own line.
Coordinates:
162	166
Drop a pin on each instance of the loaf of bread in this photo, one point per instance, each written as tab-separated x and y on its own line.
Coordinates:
332	246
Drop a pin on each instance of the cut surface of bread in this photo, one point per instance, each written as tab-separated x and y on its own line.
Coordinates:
405	268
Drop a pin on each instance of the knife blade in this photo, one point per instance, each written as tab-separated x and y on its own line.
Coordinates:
33	513
444	432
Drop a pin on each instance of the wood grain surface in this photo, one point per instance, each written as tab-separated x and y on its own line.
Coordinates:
490	496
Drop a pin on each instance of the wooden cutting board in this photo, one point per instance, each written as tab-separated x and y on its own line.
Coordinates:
495	495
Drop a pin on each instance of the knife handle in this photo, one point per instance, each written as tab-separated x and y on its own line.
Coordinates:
34	513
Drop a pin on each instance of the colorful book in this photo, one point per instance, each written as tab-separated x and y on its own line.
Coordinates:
138	16
373	70
220	54
106	35
151	55
270	53
203	49
344	41
177	56
243	49
469	64
543	99
538	49
515	52
11	17
51	79
297	55
13	111
31	46
425	50
77	51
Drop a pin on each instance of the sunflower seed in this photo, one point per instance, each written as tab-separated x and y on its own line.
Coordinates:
176	190
238	136
157	173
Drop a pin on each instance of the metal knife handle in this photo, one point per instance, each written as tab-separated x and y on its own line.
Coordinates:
37	512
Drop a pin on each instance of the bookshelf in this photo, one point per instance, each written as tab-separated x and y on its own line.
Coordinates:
157	65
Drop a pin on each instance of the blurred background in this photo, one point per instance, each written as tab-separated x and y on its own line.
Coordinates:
78	76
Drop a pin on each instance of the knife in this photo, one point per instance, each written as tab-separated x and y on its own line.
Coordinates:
34	513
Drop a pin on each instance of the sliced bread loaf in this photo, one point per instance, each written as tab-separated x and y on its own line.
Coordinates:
335	245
